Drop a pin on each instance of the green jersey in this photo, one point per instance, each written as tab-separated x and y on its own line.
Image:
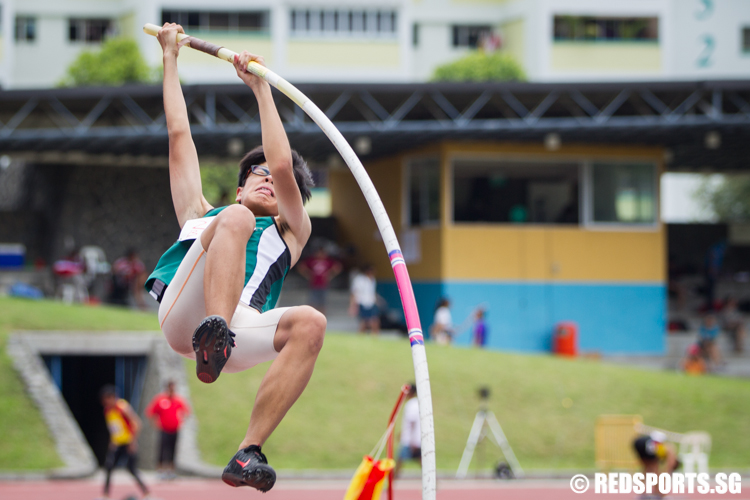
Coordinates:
267	261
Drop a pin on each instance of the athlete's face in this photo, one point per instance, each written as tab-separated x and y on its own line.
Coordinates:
258	193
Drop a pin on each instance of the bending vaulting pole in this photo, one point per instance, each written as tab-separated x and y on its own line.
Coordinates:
389	238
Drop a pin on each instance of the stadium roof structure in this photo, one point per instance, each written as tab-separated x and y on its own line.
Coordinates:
126	125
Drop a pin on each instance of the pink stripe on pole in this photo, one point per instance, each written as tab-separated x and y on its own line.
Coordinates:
407	296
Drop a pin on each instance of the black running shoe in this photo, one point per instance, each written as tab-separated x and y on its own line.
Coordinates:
249	467
212	343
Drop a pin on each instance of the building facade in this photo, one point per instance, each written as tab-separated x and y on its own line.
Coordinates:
534	237
396	40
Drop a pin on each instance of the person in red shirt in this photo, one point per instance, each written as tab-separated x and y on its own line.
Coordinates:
319	270
167	411
128	277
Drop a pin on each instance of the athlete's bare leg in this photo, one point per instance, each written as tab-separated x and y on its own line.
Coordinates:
299	338
225	241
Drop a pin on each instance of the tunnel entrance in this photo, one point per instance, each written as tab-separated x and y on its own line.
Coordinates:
80	378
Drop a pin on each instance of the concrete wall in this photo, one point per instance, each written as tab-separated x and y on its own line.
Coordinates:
117	208
111	207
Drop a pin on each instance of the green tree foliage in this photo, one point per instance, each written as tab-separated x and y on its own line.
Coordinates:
119	61
219	183
729	198
480	66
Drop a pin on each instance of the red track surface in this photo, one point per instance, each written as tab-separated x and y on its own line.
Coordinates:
204	489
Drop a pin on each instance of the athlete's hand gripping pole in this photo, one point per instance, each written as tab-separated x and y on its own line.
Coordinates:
403	281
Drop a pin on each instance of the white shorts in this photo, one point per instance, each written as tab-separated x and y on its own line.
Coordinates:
183	307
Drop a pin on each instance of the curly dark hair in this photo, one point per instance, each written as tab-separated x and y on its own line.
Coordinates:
301	173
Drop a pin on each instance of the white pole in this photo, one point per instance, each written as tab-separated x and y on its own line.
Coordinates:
403	282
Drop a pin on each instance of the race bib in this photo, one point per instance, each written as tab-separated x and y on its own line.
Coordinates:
194	227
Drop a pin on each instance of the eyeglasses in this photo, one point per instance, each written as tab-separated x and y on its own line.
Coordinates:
260	170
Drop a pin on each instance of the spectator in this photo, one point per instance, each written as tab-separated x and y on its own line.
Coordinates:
124	427
319	270
442	325
714	263
694	364
167	411
734	324
654	450
70	283
363	301
707	335
480	328
128	277
411	434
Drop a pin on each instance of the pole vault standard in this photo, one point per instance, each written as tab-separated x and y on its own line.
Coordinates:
403	282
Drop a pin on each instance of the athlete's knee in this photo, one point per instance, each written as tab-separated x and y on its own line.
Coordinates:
236	219
311	328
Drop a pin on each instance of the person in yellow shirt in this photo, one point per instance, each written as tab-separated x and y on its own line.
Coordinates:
124	425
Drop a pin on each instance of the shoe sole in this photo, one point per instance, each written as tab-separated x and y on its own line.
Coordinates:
206	340
260	478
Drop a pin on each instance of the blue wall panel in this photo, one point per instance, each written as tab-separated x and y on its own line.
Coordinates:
611	318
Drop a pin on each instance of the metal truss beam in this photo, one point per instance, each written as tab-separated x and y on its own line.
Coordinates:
45	119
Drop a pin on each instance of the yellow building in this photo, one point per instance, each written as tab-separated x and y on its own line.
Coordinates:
535	236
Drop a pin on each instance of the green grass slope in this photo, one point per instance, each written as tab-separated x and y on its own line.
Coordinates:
344	410
356	381
21	426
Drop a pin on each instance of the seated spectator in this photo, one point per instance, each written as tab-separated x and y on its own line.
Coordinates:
694	364
128	277
319	270
734	324
70	284
708	333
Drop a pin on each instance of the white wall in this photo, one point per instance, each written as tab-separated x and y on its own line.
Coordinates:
697	29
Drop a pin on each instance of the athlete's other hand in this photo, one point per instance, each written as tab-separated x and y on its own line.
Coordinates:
240	65
167	37
133	447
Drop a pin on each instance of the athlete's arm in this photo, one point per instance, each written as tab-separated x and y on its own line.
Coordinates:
135	420
277	151
184	173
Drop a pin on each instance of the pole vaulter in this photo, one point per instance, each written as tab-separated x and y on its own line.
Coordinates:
403	282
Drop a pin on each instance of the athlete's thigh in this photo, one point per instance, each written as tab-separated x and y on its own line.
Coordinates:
254	341
183	306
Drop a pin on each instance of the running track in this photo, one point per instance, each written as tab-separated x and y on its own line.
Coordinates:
204	489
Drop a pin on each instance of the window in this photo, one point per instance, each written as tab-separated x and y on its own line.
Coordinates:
89	30
470	35
515	192
415	35
226	21
344	22
424	191
25	29
578	28
746	40
624	193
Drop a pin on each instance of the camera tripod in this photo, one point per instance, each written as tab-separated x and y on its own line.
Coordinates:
486	425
